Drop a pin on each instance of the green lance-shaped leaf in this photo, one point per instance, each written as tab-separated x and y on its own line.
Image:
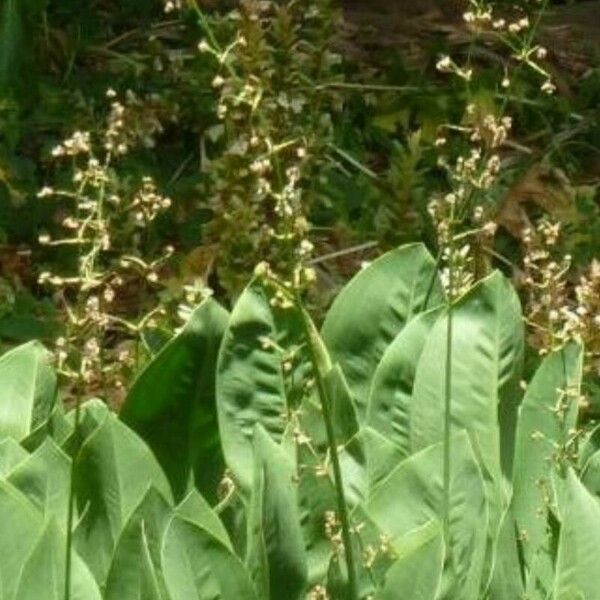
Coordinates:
92	415
276	557
506	581
58	427
343	410
547	416
412	495
44	478
113	471
43	574
577	558
135	571
135	575
27	390
196	566
250	380
487	355
373	308
366	460
21	525
591	474
486	367
390	399
417	572
172	403
588	446
195	509
11	454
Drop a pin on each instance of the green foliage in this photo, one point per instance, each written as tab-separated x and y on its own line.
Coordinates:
307	473
183	433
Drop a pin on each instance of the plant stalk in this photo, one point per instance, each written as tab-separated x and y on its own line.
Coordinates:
71	506
320	361
448	388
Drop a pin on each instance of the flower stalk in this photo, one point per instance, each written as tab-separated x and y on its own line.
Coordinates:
321	365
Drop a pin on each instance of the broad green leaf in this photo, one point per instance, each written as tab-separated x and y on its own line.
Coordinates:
366	461
412	495
27	389
172	403
251	386
417	572
92	414
43	574
276	558
135	572
588	446
197	566
487	356
541	430
577	559
195	508
44	478
373	308
20	527
507	581
316	498
113	472
57	427
390	399
591	474
11	454
135	575
343	413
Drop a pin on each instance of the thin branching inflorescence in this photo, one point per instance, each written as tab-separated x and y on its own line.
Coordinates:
105	228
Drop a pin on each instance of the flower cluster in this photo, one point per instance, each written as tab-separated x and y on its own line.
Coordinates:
549	311
463	217
515	32
102	231
587	299
275	123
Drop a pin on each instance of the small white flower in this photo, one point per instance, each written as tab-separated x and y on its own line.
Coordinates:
45	192
548	87
204	46
444	64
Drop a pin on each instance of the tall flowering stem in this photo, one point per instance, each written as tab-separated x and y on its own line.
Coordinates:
459	219
448	386
321	365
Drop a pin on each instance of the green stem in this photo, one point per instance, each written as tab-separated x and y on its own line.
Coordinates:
71	506
448	389
321	365
447	424
432	280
